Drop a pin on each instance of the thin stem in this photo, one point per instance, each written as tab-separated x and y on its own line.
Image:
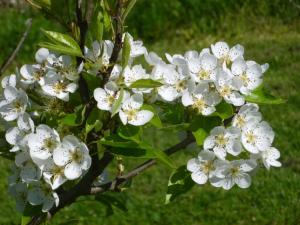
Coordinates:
11	58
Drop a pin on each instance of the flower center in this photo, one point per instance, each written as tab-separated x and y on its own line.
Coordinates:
221	140
240	121
181	85
225	91
49	144
110	99
207	167
38	74
131	114
17	105
234	171
203	75
59	87
77	155
199	104
251	138
245	79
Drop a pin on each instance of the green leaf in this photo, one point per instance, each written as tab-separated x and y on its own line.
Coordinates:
205	123
117	104
129	148
180	182
118	142
128	8
60	48
261	96
74	119
126	51
25	220
223	110
62	43
201	126
173	114
145	83
97	25
155	121
130	132
93	121
200	136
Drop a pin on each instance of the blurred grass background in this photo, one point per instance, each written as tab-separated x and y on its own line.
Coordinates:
270	32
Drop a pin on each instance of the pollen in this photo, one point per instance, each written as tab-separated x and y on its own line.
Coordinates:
251	138
199	105
131	114
203	75
77	155
49	144
181	85
225	91
59	87
207	167
221	140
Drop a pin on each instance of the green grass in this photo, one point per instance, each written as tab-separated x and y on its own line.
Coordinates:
273	198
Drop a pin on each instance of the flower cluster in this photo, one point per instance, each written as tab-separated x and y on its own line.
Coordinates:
247	134
43	162
45	159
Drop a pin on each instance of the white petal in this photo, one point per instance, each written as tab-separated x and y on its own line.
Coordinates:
220	49
243	180
199	177
73	171
168	93
193	165
236	52
48	203
41	55
61	156
142	117
187	99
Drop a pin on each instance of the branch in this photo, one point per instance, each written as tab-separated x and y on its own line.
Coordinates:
114	184
11	58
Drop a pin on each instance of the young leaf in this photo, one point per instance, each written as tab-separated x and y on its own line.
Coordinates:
261	96
180	182
126	51
116	106
223	110
145	83
128	8
60	49
130	132
74	119
63	41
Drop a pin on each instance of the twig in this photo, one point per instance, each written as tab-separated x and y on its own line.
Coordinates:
114	184
11	58
117	42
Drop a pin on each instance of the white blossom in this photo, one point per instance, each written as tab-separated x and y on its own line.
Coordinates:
132	113
43	142
107	97
223	141
248	73
14	104
234	172
269	157
203	67
257	137
41	194
228	86
202	167
74	156
248	112
226	54
58	87
10	80
202	99
136	47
